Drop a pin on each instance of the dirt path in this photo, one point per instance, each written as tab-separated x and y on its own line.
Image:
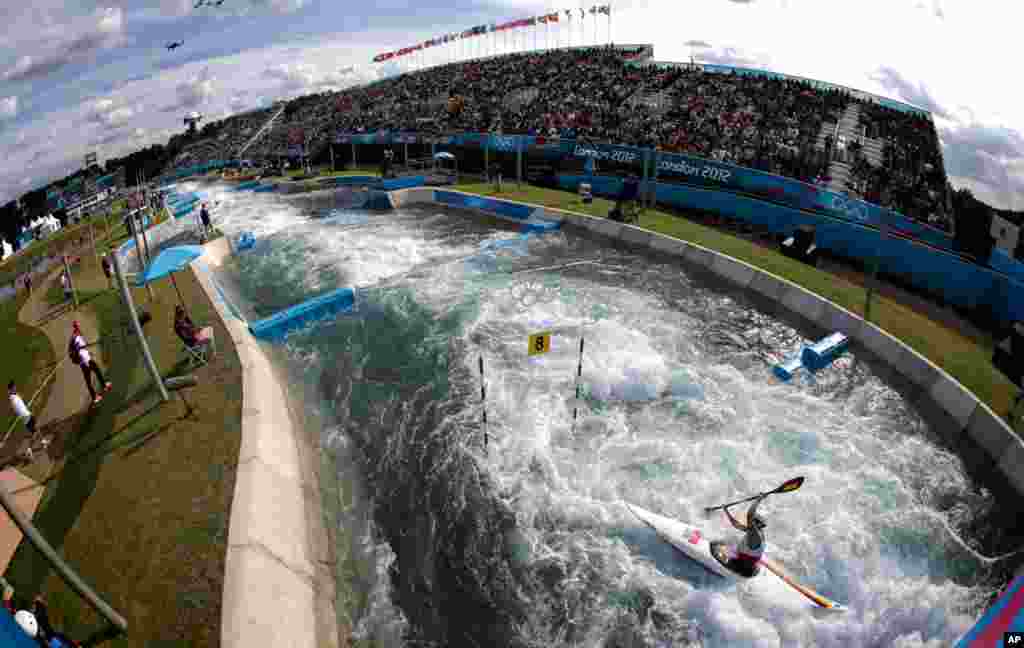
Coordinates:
68	397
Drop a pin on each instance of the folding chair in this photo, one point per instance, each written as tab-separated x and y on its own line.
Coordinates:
200	354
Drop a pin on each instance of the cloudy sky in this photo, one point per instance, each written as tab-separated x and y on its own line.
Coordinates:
78	76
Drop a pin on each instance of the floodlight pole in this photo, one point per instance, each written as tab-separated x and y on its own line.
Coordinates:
126	295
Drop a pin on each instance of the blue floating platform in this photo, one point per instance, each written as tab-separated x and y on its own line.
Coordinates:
248	185
265	188
813	358
277	326
246	241
788	369
824	352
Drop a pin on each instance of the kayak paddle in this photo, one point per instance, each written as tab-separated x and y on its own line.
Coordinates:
787	487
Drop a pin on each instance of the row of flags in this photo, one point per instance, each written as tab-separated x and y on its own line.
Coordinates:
481	30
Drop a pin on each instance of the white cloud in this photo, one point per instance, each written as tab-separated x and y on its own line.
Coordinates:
294	75
890	47
8	107
104	29
108	113
194	92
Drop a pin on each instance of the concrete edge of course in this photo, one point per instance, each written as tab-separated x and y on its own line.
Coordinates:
278	588
939	391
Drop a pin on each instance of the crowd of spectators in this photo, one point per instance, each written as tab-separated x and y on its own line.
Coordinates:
911	178
775	125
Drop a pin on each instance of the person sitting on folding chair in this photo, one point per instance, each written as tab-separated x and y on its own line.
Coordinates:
198	341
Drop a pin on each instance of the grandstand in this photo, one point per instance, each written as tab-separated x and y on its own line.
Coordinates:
871	147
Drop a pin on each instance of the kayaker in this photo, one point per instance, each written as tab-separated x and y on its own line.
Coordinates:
747	556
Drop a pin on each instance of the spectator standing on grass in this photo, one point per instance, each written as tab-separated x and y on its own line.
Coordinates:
22	411
204	216
65	283
107	270
80	355
28	282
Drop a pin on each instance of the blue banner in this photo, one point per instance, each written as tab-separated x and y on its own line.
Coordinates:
688	169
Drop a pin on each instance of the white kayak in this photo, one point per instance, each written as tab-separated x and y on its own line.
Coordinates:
771	581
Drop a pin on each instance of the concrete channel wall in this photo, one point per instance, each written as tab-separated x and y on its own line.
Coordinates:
279	586
953	411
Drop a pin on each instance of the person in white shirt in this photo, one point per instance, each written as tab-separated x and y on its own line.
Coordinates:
22	411
80	355
65	283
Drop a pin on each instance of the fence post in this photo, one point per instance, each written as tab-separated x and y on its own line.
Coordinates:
487	156
519	164
869	296
653	200
126	296
71	283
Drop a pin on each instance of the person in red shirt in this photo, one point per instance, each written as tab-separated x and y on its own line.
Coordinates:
80	356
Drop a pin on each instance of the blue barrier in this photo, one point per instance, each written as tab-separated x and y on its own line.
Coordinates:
265	188
541	227
184	202
395	184
379	201
277	326
515	211
942	274
184	210
248	185
1006	264
349	180
684	168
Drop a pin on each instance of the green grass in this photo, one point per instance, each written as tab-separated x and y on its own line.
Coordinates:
28	358
64	240
964	359
139	500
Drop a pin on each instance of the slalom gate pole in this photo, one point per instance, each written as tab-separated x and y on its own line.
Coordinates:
576	405
483	398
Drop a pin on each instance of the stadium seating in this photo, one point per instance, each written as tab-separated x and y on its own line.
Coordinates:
781	126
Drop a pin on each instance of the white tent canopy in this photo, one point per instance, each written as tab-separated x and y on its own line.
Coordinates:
46	224
7	248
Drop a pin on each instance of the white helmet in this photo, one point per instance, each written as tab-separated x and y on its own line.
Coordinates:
28	622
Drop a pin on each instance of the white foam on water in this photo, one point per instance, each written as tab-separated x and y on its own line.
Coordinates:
675	442
673	429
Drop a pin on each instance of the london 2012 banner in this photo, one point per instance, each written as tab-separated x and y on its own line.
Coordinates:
686	169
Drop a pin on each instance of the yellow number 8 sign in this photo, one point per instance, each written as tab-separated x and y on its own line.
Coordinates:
540	343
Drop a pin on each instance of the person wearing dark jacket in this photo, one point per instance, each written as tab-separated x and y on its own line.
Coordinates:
188	332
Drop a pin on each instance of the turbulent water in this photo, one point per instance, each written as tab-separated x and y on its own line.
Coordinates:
514	533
